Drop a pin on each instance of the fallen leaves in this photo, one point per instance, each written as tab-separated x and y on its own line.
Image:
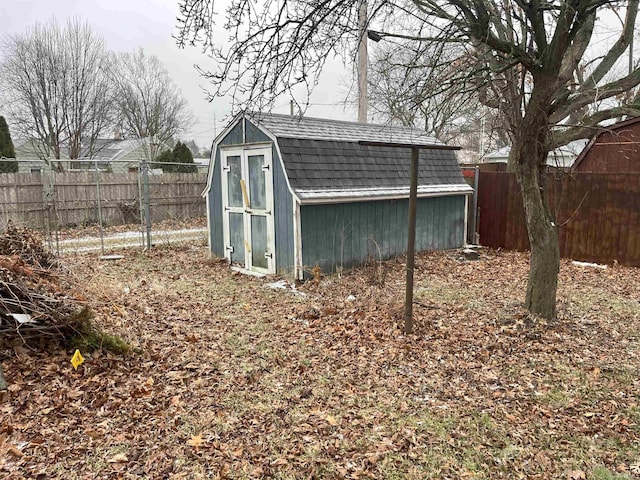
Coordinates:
119	458
195	441
236	380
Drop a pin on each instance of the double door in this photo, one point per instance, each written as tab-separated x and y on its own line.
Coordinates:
247	191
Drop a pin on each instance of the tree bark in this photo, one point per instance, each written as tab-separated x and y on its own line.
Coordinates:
544	263
532	148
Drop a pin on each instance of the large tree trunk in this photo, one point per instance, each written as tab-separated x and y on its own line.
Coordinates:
531	149
544	264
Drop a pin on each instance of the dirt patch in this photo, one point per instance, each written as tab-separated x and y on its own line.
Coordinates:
239	380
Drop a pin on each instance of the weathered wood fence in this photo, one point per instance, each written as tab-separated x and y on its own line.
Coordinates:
40	200
598	214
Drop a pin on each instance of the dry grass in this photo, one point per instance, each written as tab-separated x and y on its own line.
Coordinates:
236	380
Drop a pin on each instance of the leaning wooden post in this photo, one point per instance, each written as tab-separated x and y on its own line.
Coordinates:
411	240
413	202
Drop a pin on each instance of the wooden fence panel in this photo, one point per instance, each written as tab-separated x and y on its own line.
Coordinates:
597	214
492	208
74	198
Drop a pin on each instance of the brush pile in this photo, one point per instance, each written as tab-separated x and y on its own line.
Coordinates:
38	302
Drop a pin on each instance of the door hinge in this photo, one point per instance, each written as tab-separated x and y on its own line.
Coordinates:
268	255
229	248
265	167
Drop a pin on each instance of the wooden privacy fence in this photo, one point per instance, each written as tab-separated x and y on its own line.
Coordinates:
598	214
47	200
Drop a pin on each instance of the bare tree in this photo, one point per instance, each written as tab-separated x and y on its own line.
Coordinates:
55	87
529	63
410	84
149	103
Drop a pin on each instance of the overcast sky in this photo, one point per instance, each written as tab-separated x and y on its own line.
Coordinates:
129	24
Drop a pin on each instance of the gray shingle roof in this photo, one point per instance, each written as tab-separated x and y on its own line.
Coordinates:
315	166
323	129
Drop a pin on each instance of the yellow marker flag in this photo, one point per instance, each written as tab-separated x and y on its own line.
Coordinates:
77	359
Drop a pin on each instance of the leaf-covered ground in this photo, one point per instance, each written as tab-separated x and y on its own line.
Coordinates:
238	380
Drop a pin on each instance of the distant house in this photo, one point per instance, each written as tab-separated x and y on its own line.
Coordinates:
29	156
561	157
287	194
614	149
117	155
202	162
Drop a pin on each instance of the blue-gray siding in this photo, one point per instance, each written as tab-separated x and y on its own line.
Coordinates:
346	234
283	200
215	209
283	206
215	194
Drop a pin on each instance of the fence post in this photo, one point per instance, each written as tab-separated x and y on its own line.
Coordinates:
145	195
98	193
476	182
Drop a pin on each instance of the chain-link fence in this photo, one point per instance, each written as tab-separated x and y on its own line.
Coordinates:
56	196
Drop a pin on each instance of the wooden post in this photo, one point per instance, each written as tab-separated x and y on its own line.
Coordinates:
413	202
411	240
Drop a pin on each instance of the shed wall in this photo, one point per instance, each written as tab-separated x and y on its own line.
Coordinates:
344	235
283	201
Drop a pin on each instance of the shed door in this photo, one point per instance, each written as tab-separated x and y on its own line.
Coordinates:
247	190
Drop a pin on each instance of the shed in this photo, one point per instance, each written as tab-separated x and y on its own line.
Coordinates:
288	194
614	149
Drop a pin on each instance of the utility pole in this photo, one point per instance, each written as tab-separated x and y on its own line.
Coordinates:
362	62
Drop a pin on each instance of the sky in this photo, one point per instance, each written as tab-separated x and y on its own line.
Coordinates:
127	25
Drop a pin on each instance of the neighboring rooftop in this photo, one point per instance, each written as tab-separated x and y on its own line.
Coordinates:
560	157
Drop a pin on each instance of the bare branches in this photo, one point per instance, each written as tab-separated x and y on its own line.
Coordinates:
58	94
515	45
148	102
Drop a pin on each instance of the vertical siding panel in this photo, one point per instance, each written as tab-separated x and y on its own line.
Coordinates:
215	204
382	223
445	230
352	218
325	236
283	217
426	224
306	218
420	224
397	225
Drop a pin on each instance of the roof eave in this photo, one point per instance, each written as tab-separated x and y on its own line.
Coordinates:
308	197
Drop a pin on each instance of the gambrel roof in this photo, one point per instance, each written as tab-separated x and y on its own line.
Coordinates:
331	160
310	128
